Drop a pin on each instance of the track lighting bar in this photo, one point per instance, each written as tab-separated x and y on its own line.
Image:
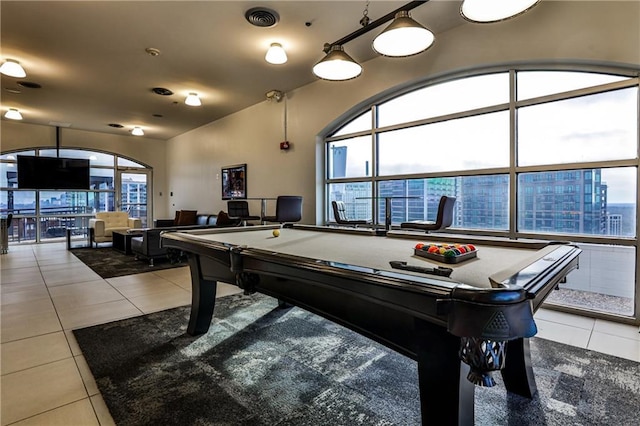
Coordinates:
375	24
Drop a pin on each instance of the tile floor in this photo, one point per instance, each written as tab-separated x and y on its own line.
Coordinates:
46	292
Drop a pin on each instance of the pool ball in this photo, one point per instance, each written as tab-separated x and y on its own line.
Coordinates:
276	232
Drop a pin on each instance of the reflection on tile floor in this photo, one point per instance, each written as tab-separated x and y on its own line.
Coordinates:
46	292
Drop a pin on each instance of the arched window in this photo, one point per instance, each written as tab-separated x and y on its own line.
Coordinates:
116	183
508	144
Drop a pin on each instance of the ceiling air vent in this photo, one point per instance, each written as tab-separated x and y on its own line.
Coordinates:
262	17
162	91
29	85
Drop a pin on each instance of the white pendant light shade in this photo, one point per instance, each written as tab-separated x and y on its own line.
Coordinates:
137	131
337	66
13	114
403	37
276	54
12	69
487	11
193	100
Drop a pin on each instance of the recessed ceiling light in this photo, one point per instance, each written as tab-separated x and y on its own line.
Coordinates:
157	115
116	125
152	51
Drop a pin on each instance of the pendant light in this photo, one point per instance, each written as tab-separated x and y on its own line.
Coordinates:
337	65
488	11
403	37
276	54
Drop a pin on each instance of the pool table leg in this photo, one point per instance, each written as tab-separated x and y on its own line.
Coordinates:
446	396
518	374
203	299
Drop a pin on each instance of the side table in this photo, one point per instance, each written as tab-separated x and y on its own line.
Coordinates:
84	241
122	240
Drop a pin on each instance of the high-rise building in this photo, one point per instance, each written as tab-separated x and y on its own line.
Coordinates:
572	202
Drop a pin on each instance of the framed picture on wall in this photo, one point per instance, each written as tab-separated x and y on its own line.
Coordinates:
234	182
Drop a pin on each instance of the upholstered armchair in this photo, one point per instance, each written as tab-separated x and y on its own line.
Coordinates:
101	228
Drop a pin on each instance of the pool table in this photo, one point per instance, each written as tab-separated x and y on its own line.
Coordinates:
458	328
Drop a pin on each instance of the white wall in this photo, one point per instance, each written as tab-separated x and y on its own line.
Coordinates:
553	32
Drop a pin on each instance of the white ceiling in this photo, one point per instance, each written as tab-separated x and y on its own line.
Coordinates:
89	57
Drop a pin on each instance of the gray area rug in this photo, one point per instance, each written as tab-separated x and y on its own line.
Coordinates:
109	263
261	365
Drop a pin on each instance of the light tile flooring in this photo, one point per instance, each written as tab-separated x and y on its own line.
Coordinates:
46	292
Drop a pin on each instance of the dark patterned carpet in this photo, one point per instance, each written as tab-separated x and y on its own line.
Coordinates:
260	365
109	263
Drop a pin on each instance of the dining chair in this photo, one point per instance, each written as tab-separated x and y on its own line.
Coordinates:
240	209
444	218
340	215
288	209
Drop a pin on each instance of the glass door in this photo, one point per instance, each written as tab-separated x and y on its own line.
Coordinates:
135	194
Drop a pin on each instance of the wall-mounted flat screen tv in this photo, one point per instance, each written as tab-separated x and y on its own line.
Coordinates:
53	173
234	182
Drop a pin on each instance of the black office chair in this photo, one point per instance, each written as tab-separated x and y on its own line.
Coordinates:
444	218
340	215
288	209
240	209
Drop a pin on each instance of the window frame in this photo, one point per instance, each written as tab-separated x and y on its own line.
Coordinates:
630	80
38	217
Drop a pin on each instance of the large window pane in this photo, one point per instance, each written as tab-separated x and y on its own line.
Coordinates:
17	202
350	158
8	175
482	202
362	123
64	202
123	162
533	84
133	195
589	128
95	158
102	178
413	199
102	201
356	197
14	155
446	98
605	281
588	202
469	143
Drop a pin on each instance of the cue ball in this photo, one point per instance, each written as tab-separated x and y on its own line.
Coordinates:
276	233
